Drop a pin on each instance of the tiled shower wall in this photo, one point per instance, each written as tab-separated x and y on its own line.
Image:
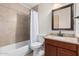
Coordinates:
23	28
13	24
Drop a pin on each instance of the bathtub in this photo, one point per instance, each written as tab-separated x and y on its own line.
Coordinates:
18	49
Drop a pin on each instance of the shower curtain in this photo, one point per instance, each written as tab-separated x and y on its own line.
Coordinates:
34	31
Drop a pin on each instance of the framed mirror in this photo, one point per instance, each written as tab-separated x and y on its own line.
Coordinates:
62	18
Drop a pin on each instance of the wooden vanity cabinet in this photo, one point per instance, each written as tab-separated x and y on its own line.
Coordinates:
58	48
50	50
64	52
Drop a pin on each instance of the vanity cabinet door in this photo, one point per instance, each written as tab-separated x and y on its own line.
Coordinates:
64	52
50	50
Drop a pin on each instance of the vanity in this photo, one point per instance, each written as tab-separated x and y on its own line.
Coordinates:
61	46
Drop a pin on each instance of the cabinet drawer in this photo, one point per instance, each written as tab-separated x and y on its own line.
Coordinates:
61	44
64	52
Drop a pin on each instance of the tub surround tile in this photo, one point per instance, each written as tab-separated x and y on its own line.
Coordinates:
9	24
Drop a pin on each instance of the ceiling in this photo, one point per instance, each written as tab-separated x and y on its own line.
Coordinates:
30	5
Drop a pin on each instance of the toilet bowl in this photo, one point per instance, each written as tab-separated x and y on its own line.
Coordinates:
36	47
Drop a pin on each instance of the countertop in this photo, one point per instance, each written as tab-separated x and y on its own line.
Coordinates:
72	40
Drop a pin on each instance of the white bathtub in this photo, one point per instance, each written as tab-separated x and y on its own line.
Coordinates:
18	49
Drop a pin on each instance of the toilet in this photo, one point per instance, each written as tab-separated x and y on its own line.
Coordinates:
36	46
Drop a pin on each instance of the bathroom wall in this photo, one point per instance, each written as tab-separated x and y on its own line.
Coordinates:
9	22
22	28
7	26
35	8
45	17
77	20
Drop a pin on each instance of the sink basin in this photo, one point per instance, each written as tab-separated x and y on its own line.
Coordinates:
60	35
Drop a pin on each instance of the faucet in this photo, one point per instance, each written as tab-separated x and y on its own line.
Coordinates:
60	34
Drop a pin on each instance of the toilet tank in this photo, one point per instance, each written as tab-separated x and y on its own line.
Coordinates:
40	38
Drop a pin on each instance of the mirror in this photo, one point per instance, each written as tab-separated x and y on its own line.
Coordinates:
62	18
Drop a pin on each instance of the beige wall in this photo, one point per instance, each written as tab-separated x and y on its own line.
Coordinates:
22	28
45	17
35	8
76	20
8	22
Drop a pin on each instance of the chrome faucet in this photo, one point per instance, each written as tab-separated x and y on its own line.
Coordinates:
60	34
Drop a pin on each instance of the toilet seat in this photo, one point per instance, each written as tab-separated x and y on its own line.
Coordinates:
36	45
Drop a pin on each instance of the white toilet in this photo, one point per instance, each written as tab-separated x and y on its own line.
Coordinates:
36	47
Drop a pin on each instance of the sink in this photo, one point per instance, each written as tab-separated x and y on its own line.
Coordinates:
63	38
60	35
63	35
